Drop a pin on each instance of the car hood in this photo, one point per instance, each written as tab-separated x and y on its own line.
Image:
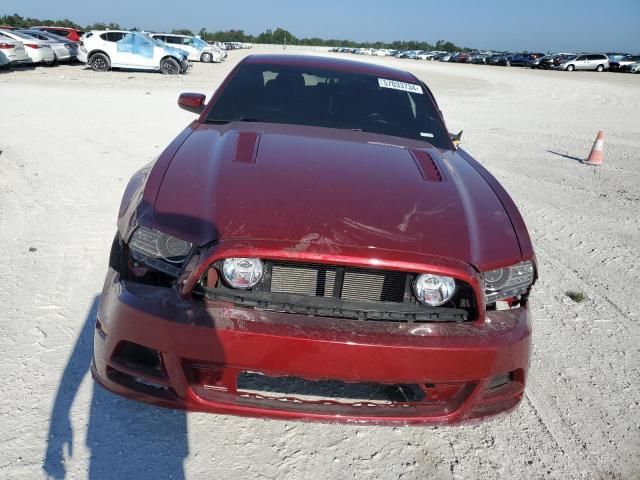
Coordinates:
175	51
306	185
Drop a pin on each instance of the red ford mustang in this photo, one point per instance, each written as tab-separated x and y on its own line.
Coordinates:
314	246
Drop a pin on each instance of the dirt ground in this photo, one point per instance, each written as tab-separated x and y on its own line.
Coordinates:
70	139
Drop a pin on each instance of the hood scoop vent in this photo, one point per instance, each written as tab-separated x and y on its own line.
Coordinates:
246	147
427	165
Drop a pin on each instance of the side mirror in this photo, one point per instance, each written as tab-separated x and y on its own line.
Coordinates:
191	102
455	138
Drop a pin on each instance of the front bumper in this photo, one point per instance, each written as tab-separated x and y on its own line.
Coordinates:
205	348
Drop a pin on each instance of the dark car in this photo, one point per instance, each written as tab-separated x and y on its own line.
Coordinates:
314	246
523	59
544	63
499	59
462	57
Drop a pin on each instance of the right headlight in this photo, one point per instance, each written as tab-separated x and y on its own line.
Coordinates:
508	281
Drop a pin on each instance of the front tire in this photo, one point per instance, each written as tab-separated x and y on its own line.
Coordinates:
570	68
168	66
99	62
206	58
600	68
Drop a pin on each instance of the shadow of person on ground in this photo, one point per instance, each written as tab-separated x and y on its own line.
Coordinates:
126	439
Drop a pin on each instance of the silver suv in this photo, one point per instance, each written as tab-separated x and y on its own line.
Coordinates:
596	61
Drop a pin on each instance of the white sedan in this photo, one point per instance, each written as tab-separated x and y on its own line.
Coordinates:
11	52
64	50
38	51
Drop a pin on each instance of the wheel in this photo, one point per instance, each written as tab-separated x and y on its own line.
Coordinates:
206	58
508	64
570	68
169	66
99	62
600	68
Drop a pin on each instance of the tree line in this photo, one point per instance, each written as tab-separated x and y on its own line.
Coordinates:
278	36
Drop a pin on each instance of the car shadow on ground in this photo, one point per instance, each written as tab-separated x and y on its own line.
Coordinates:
126	439
570	157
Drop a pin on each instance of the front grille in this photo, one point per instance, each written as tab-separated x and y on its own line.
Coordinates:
373	286
342	292
320	281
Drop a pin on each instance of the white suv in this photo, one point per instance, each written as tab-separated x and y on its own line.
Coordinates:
103	50
198	50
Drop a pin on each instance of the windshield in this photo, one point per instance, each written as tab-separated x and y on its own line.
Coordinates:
327	98
24	36
197	43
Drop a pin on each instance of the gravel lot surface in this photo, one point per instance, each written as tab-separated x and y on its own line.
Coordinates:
70	139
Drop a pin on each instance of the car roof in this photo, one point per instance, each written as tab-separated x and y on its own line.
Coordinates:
172	34
117	31
331	64
53	26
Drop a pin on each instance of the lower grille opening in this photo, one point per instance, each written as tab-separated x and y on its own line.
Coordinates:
303	390
138	357
140	384
500	380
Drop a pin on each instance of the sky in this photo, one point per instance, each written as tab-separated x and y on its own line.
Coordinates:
542	25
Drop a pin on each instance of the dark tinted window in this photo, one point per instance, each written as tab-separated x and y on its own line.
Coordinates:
113	36
327	98
174	40
581	57
37	35
63	33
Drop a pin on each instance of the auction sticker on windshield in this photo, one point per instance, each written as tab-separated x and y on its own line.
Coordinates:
407	87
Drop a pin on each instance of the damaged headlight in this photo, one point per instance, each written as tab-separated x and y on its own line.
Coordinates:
508	282
159	250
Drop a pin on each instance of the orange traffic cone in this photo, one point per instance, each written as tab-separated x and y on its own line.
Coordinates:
596	157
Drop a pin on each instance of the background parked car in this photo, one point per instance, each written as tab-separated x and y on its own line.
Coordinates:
38	51
69	33
633	68
480	58
198	50
12	52
503	60
615	56
462	57
618	66
597	61
425	55
63	49
523	59
103	50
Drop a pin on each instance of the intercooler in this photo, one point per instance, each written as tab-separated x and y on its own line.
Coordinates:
345	283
